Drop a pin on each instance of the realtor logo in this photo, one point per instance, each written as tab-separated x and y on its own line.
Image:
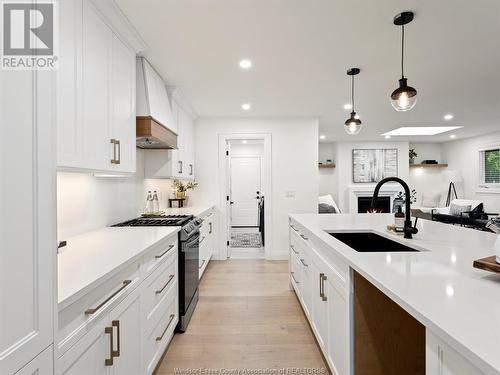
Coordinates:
28	40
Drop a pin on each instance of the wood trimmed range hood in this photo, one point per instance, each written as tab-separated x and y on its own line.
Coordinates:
150	134
155	125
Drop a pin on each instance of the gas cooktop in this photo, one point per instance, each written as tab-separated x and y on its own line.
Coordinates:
157	221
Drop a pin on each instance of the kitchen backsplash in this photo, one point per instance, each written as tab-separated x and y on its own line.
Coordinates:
86	202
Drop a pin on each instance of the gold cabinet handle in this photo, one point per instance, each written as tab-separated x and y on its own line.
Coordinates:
202	263
321	285
116	353
109	331
304	264
293	277
114	142
159	338
95	309
118	143
322	278
165	252
170	278
293	249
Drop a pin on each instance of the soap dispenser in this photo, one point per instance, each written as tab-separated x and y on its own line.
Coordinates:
399	220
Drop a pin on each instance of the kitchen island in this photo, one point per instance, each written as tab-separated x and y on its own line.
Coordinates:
458	306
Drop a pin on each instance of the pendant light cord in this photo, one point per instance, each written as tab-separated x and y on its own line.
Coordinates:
352	92
402	50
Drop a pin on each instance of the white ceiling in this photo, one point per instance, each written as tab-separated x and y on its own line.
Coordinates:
301	50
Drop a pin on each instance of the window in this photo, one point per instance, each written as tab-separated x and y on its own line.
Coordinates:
489	160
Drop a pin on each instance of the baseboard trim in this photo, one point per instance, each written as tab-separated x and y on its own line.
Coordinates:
278	255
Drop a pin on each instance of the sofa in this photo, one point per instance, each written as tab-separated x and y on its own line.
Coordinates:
464	212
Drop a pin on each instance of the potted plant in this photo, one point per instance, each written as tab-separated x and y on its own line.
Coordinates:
412	155
181	188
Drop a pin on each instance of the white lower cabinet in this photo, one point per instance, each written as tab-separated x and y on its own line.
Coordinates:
338	330
126	324
89	355
123	326
43	364
323	294
441	359
207	241
319	320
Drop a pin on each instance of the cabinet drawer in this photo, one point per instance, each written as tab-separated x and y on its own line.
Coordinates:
162	252
157	340
80	317
159	291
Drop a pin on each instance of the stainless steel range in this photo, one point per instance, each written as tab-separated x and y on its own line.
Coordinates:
189	248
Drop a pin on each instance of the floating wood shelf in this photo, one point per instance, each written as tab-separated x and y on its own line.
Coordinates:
330	165
428	165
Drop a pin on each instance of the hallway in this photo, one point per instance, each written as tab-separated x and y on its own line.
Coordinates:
246	318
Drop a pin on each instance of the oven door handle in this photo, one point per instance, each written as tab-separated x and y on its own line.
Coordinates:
191	240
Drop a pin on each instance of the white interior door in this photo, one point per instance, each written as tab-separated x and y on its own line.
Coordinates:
245	190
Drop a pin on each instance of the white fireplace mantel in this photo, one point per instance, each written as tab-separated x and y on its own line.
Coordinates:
366	190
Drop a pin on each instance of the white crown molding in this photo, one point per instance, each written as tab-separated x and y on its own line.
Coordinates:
177	95
120	24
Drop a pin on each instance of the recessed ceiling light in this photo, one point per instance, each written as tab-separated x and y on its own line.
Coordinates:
448	117
322	136
246	106
245	64
244	141
421	130
348	106
387	137
453	136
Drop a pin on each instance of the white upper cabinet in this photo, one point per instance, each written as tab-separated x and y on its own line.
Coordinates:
152	98
27	220
95	93
123	104
178	163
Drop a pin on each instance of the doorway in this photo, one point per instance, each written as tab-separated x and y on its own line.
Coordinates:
245	176
246	198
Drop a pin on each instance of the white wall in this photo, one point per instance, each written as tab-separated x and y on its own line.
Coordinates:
294	167
463	156
327	176
428	180
85	202
344	166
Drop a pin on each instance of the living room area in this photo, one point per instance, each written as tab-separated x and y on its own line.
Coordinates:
453	178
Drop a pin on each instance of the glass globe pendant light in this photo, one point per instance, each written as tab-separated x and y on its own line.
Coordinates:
353	124
404	97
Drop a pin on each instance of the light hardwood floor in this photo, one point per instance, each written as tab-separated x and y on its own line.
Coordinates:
246	318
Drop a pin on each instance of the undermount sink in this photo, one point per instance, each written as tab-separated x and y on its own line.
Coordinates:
368	242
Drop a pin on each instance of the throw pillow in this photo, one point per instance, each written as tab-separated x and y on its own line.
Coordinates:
456	209
324	208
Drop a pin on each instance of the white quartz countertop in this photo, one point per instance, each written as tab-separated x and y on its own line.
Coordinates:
193	210
91	258
439	287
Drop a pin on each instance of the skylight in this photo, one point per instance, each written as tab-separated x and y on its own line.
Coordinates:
421	130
